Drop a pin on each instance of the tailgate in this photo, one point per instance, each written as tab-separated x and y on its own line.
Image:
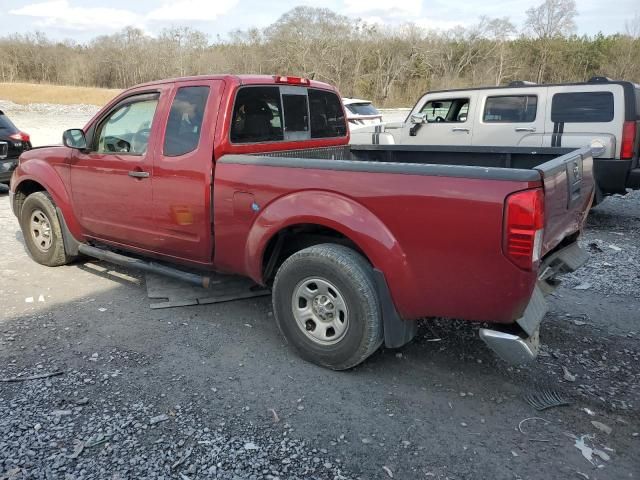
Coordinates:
568	190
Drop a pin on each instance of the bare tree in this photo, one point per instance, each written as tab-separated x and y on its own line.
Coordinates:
551	19
391	66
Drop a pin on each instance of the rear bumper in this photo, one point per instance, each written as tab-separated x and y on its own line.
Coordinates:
614	176
522	344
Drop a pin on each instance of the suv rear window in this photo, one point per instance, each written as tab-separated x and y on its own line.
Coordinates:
362	109
265	114
582	107
6	125
510	109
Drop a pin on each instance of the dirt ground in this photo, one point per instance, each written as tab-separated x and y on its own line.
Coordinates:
213	391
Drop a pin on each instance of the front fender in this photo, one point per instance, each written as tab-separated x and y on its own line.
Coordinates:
45	174
339	213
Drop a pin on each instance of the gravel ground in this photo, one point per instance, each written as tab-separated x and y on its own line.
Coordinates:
612	240
213	391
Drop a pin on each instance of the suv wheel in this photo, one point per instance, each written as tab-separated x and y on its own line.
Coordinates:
41	230
327	307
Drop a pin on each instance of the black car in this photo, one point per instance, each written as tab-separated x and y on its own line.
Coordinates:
17	142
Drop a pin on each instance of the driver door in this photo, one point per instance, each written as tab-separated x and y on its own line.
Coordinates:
111	182
448	120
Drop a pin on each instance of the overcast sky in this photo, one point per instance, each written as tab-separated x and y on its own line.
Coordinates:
82	20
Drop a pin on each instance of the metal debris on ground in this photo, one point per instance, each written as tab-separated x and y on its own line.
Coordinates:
568	376
587	451
522	422
32	377
169	292
276	418
602	427
545	399
159	418
388	471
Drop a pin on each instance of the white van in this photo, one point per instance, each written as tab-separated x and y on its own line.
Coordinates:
601	113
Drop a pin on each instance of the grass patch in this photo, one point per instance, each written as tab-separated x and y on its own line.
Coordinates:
24	93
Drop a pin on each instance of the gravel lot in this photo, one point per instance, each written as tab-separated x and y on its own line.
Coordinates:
213	391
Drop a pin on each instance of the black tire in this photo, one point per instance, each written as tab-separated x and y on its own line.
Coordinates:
55	254
352	276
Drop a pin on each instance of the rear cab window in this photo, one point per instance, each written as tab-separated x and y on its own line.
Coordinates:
582	107
510	109
285	113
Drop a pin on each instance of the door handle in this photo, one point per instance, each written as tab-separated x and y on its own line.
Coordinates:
525	129
460	129
138	174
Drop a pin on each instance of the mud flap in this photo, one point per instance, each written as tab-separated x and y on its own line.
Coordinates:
397	332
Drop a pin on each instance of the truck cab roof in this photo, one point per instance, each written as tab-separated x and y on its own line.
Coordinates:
245	80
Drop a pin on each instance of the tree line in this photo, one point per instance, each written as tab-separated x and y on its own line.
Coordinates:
388	65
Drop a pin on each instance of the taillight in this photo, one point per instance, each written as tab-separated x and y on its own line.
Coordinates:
628	139
524	227
20	136
292	80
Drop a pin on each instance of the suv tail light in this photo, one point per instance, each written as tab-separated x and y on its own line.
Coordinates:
628	140
292	80
20	137
524	227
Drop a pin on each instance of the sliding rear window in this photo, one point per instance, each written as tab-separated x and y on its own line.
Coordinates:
272	114
582	107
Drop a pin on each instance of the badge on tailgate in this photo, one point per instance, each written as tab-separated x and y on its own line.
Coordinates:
574	180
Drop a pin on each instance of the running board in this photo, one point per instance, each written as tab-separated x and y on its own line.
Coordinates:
143	265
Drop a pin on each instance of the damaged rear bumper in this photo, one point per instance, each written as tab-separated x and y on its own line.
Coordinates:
522	345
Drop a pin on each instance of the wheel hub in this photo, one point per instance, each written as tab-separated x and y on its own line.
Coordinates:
40	229
320	311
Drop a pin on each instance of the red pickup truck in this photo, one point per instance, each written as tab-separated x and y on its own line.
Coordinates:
253	175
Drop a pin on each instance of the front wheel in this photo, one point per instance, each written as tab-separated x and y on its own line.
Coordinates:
41	230
327	307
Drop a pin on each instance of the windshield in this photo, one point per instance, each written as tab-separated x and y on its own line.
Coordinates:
362	109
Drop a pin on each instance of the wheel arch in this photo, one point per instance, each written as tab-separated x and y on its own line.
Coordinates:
326	216
345	222
41	178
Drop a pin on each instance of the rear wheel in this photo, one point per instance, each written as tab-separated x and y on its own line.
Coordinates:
327	307
41	230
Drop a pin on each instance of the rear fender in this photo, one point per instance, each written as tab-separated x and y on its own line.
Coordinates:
334	211
43	173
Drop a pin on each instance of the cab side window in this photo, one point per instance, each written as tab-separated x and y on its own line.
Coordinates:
449	111
257	116
126	129
182	134
510	109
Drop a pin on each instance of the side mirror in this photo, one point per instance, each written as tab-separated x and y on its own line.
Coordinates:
74	138
418	118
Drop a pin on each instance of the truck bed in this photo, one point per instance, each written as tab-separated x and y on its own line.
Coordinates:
440	208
